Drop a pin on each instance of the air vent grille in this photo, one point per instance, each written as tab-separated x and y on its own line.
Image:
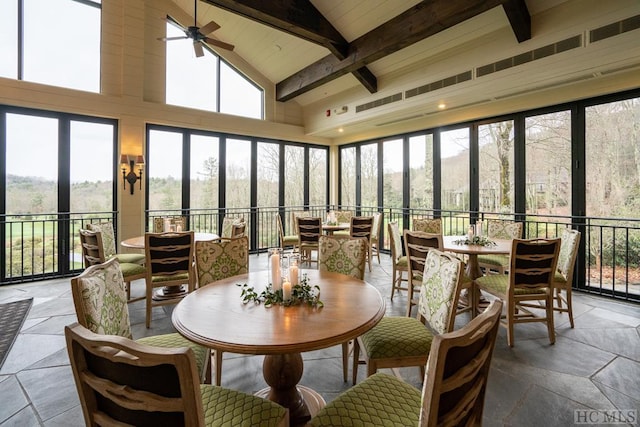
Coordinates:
379	102
532	55
439	84
614	29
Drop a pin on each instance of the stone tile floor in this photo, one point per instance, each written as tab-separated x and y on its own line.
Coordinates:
590	369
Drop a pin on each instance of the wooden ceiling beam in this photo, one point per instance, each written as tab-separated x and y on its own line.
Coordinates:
301	19
519	18
417	23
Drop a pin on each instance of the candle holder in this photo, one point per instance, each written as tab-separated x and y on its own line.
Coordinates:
294	269
274	264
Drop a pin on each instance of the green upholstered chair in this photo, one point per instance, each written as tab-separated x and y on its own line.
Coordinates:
417	244
123	382
454	387
217	261
397	342
100	302
286	240
398	261
499	229
563	278
169	263
375	235
529	284
93	253
345	255
109	244
342	254
362	226
428	225
228	229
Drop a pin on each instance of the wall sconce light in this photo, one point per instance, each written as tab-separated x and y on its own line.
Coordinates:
131	177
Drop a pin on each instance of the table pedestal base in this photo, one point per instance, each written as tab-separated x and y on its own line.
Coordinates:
170	292
282	372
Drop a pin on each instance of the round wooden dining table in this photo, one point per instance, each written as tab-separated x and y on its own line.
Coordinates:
215	316
502	246
137	242
330	228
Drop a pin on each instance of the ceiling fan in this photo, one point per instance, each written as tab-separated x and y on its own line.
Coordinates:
199	35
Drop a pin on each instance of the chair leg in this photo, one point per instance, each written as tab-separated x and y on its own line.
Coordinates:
409	296
511	313
148	307
218	363
569	306
356	361
345	360
394	283
549	311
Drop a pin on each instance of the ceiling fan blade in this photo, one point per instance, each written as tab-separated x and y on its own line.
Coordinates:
209	28
165	39
197	47
218	43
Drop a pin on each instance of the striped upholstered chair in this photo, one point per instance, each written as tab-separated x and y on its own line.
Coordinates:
123	382
101	306
397	341
454	385
345	255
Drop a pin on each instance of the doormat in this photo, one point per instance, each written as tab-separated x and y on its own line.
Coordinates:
12	315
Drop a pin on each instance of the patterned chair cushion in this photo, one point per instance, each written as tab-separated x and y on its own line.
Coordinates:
171	277
380	400
290	240
499	283
108	237
428	225
109	244
559	278
227	226
219	260
439	283
504	229
343	216
104	301
402	261
176	340
342	255
497	260
224	407
129	269
568	245
397	336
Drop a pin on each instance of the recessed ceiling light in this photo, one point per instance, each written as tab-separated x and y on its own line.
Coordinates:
442	106
340	130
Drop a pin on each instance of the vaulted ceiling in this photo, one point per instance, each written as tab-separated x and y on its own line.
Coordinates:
315	50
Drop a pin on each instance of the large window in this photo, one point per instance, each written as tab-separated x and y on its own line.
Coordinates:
454	160
59	174
348	176
393	173
548	150
74	34
204	167
164	170
318	176
369	175
207	82
421	171
495	151
293	175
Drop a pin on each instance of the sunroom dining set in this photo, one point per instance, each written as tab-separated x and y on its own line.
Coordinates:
527	283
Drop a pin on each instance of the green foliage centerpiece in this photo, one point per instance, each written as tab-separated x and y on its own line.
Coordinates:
302	293
476	241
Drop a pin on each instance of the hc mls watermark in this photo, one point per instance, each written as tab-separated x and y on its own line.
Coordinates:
605	416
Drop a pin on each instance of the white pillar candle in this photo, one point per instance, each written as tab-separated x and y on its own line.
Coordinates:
275	272
286	290
293	273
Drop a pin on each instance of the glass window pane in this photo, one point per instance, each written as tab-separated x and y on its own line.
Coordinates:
454	160
393	169
164	160
204	169
369	175
74	34
191	81
9	39
91	175
421	171
348	176
293	175
318	181
613	159
238	168
548	159
495	144
269	174
238	96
